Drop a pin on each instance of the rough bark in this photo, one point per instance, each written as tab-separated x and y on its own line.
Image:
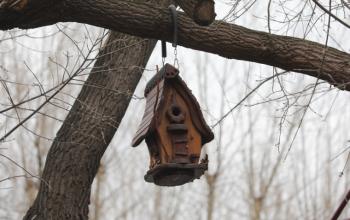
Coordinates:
227	40
201	11
75	154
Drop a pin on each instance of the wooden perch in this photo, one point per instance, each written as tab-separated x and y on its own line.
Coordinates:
201	11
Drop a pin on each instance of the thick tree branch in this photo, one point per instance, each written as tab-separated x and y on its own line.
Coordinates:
201	11
227	40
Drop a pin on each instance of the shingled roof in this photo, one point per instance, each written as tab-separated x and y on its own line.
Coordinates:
166	76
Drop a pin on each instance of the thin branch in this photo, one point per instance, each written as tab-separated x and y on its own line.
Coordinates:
246	97
341	207
80	69
330	13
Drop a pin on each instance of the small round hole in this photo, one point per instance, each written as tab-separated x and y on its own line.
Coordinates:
176	110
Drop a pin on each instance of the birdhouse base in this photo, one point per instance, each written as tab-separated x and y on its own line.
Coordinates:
172	174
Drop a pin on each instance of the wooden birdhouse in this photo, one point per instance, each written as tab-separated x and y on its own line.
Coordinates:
174	130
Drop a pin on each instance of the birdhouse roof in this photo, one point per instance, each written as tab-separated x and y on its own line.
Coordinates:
169	76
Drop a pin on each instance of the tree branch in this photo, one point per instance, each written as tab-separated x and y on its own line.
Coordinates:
227	40
341	207
201	11
330	13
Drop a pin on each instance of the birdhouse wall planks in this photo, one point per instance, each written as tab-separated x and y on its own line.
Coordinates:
174	129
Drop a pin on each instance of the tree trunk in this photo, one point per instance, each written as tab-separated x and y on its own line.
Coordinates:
75	154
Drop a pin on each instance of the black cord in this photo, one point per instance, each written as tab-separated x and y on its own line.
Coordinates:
163	48
174	20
